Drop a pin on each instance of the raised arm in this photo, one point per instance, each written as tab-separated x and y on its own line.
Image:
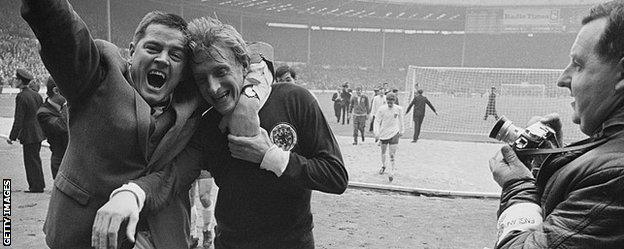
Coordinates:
67	49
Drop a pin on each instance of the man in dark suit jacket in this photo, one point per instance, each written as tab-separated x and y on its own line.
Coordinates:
418	103
27	130
124	120
337	104
52	117
345	95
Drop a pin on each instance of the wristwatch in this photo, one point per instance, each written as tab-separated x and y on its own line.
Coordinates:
249	92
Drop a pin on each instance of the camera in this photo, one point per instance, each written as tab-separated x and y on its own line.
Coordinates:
524	141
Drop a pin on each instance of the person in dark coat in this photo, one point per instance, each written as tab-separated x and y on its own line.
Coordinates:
418	103
52	117
337	104
490	109
574	199
126	118
345	95
27	130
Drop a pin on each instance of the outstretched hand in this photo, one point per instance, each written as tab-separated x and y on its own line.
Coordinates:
122	206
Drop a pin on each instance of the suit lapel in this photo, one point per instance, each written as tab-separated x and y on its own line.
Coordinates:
143	123
177	136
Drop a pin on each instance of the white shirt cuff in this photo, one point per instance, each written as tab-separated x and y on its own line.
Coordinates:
275	160
134	188
519	217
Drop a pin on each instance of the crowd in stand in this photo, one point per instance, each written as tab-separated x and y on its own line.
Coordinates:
326	77
19	52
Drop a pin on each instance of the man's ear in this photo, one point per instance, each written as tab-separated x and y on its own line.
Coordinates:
131	48
619	85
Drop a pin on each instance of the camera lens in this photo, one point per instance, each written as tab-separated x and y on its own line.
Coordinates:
505	131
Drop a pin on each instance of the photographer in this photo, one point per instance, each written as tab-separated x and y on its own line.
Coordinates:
575	200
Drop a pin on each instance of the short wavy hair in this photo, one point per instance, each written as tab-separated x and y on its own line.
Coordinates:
158	17
282	70
610	47
206	32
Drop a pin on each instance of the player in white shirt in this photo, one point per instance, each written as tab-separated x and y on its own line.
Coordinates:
388	129
378	100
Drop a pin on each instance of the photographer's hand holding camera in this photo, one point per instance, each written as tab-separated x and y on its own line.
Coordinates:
573	198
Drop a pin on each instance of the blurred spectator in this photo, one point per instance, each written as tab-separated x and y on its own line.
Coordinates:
52	117
359	110
337	104
345	95
27	130
378	100
285	74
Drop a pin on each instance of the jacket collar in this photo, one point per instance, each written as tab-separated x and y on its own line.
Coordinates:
612	123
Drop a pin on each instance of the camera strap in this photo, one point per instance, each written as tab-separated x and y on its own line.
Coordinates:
557	158
581	145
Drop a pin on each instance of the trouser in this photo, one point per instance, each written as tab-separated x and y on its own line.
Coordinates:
337	112
345	109
371	124
55	162
490	111
359	124
418	120
200	197
32	164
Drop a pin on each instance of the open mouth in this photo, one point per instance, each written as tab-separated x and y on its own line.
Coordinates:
156	78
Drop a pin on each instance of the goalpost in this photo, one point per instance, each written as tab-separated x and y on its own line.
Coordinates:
461	96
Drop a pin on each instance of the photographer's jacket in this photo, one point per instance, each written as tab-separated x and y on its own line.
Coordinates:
109	124
582	202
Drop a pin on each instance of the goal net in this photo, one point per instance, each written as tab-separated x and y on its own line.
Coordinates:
523	89
461	96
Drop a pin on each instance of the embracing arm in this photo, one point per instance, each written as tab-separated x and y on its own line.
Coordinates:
150	192
176	178
67	49
317	164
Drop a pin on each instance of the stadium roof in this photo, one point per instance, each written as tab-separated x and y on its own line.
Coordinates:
435	10
441	14
493	2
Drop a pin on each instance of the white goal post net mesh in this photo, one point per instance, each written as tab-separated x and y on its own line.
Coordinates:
461	97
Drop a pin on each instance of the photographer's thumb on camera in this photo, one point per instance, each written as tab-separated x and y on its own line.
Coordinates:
553	121
505	166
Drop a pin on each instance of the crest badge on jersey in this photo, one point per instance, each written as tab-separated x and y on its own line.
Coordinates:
284	136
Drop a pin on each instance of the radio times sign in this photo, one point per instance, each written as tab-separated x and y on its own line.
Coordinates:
494	20
531	20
